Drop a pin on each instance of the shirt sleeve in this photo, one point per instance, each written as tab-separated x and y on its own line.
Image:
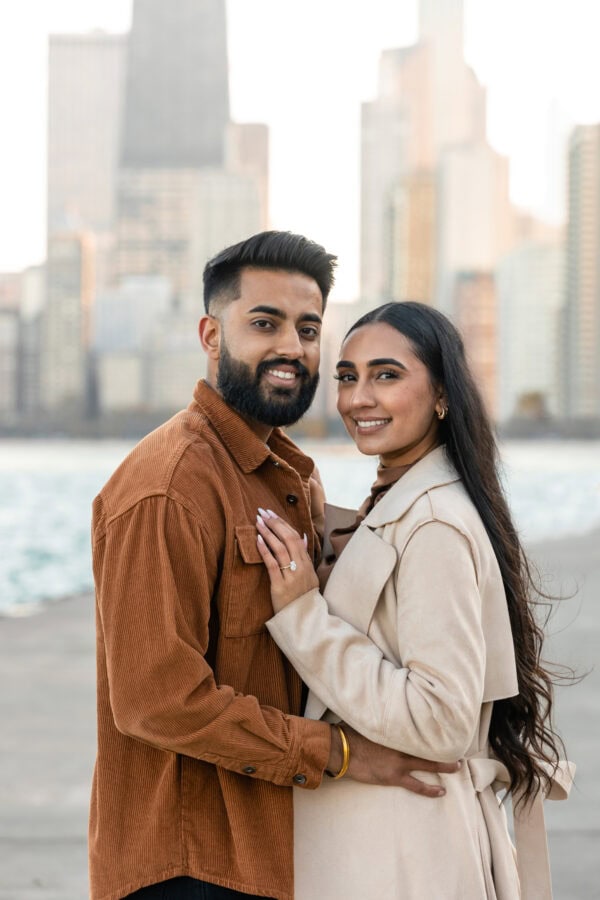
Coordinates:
429	706
155	569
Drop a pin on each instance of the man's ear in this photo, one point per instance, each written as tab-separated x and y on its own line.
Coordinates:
209	329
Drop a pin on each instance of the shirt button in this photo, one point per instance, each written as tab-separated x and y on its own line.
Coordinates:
249	770
275	462
299	779
292	499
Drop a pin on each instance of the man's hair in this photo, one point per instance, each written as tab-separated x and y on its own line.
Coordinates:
267	250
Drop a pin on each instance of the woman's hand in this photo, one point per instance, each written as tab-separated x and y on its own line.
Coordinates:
285	555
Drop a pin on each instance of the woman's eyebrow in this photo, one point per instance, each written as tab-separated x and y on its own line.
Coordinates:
384	361
387	361
345	364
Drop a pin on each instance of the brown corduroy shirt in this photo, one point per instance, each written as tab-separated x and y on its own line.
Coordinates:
199	736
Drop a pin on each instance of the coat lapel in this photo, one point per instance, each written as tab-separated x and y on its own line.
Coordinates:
353	588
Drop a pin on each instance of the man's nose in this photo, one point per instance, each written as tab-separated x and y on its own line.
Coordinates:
289	343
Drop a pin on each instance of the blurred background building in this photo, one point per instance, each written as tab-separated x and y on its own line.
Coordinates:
148	177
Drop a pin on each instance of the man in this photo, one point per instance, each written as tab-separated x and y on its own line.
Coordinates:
200	739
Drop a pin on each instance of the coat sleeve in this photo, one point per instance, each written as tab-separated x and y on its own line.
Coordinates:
155	568
429	706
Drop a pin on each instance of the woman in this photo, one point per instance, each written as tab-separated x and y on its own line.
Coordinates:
423	640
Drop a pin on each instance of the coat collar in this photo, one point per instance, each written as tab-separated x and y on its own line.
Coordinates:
432	471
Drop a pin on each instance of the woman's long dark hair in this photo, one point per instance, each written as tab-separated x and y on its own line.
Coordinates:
521	732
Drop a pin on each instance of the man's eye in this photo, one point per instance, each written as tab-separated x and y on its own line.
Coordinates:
309	331
262	324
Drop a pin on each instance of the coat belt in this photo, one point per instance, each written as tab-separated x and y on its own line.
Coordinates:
533	862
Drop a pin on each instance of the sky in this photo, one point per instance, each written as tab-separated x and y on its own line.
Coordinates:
304	67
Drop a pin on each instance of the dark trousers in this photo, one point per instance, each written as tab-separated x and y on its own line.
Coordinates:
185	888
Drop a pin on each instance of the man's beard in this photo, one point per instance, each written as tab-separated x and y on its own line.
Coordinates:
243	391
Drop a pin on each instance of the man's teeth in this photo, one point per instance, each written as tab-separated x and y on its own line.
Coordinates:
288	376
371	423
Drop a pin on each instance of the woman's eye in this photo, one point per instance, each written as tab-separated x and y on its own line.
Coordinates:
344	376
387	375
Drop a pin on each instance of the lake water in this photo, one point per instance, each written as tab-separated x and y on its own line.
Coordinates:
46	489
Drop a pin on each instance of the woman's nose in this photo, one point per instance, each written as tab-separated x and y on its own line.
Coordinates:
362	395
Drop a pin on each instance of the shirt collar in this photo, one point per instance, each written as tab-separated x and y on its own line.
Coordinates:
244	445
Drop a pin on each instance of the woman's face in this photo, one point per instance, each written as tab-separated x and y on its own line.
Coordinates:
385	396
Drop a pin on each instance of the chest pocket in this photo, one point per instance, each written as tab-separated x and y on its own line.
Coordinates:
247	604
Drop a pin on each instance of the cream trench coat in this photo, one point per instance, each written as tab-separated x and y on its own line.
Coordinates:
411	644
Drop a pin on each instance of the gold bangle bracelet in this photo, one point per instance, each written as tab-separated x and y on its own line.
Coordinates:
345	754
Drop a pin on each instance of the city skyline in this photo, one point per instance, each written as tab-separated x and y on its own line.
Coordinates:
290	86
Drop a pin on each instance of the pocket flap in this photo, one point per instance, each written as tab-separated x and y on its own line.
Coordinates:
245	536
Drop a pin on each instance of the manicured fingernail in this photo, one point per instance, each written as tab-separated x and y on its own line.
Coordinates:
263	512
459	763
441	792
271	514
305	539
259	540
259	520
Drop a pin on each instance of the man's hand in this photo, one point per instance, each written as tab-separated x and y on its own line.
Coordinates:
373	764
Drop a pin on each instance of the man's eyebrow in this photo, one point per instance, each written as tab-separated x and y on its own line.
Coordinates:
280	314
384	361
268	310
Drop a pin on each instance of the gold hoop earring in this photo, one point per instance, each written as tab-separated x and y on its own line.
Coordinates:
443	412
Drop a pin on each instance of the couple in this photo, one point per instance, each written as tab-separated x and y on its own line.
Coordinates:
415	636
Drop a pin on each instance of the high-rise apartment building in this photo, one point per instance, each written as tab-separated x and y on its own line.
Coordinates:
66	325
33	298
581	390
530	285
10	297
85	91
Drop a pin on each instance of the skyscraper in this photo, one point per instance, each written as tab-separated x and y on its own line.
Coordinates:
474	216
66	325
582	310
428	100
177	95
85	90
530	284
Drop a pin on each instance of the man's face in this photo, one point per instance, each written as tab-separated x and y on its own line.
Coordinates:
268	367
